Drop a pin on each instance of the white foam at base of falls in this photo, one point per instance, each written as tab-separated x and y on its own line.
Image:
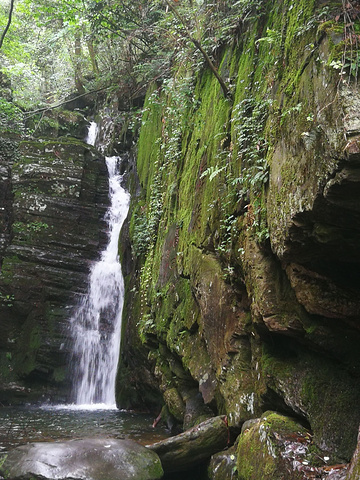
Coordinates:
78	408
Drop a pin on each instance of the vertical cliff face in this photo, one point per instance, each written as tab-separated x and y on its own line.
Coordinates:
53	199
246	233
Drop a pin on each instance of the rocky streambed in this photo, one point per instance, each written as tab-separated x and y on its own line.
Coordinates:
271	447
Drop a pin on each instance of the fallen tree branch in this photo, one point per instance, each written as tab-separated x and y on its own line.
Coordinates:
64	102
193	446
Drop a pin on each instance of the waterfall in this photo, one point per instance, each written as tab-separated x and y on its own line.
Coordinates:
92	133
96	324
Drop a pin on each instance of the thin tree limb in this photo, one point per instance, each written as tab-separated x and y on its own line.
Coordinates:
197	44
64	102
8	23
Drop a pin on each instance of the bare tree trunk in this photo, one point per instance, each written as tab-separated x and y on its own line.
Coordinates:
8	23
91	49
79	83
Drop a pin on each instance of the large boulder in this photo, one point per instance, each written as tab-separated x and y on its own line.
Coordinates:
276	446
86	459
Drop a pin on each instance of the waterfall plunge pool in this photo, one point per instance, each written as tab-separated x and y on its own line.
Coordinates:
20	425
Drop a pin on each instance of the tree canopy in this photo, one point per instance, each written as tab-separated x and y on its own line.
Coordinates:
51	48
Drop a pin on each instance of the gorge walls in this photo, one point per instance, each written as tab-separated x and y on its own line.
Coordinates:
243	286
241	251
54	194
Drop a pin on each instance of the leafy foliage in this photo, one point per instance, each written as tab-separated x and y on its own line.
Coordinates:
7	299
7	26
249	120
30	227
55	47
10	117
36	57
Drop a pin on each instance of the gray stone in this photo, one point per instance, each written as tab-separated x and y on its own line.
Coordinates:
222	465
86	459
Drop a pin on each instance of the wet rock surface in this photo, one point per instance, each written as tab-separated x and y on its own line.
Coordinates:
54	200
251	297
222	465
87	459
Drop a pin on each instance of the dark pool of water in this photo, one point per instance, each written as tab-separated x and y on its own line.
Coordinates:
19	425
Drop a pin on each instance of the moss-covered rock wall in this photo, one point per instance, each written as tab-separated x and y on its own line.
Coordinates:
245	235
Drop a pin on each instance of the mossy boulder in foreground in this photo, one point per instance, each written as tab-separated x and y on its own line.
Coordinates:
276	446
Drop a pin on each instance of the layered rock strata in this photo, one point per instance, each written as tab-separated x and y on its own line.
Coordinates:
53	204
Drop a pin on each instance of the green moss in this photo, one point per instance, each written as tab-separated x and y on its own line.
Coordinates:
253	458
7	270
323	390
258	451
174	403
355	473
11	118
204	163
238	386
150	132
59	374
354	467
8	148
184	314
29	233
28	344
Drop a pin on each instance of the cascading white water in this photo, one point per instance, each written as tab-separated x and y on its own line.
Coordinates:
96	325
92	133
